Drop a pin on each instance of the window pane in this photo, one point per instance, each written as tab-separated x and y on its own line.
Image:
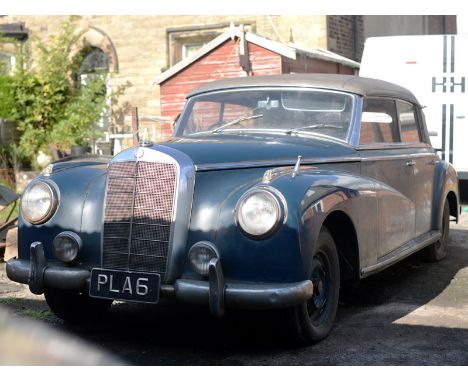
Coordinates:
205	116
189	50
378	123
309	112
408	122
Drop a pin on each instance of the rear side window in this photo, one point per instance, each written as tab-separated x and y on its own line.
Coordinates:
378	121
408	122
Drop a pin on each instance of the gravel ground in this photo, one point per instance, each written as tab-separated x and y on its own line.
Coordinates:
411	314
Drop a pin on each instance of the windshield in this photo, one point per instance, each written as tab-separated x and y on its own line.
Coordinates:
296	111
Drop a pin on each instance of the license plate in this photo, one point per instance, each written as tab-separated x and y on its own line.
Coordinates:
126	286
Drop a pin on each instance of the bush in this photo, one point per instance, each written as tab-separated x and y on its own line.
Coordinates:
51	107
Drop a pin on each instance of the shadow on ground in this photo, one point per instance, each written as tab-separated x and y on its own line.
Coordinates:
365	332
368	330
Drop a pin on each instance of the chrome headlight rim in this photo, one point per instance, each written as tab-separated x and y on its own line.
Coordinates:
193	264
279	202
54	197
73	236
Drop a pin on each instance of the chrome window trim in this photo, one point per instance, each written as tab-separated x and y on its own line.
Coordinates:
188	104
182	203
384	144
416	120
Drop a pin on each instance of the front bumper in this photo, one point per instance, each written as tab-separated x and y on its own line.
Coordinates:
216	292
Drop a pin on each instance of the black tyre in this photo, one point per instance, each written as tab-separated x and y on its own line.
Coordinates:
75	306
313	320
438	250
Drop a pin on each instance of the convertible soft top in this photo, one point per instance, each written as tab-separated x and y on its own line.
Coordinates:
352	84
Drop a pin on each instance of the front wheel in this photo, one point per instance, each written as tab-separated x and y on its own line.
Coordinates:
313	320
438	250
75	306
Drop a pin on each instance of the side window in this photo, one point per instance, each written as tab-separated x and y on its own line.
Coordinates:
408	122
378	121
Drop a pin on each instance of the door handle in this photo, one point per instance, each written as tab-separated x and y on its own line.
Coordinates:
410	163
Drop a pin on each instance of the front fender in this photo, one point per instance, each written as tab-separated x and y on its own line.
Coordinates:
284	257
329	191
81	195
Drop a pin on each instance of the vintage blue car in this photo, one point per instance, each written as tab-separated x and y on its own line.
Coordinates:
272	192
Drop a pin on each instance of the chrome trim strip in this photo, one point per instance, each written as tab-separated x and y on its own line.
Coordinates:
278	163
402	252
132	216
394	145
395	156
306	161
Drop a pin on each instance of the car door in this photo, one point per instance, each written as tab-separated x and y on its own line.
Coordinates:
424	159
388	163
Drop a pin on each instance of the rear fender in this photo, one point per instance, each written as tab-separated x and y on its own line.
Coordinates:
445	182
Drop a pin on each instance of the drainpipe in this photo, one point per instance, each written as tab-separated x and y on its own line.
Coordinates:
355	38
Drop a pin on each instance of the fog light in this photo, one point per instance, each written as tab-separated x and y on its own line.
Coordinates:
66	246
200	255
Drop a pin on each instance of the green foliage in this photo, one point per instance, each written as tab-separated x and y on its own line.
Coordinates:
10	212
51	107
80	115
6	97
11	156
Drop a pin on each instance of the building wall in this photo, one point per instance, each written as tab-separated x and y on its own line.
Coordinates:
142	44
220	63
346	35
400	25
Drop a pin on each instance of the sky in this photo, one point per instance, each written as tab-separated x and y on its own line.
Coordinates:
272	7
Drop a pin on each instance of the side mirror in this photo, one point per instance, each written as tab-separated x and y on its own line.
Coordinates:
433	133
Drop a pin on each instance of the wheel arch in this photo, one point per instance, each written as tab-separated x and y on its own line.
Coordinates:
342	229
445	187
453	204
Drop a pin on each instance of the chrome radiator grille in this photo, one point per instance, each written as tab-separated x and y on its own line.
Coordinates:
138	216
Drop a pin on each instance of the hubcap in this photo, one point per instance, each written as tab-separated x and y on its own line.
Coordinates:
321	281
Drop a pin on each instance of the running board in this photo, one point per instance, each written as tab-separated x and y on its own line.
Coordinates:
404	251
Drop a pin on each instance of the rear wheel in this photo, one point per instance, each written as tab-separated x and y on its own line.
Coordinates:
438	250
313	320
75	306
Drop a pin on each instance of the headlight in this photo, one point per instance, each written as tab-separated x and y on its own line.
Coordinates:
200	255
260	212
66	246
39	202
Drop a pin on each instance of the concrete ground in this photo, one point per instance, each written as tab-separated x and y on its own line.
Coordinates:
411	314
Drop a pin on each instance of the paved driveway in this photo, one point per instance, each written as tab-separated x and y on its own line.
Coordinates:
411	314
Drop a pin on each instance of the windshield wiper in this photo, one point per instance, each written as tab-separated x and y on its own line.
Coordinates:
236	122
312	127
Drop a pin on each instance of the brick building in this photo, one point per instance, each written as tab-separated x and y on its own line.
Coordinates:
137	49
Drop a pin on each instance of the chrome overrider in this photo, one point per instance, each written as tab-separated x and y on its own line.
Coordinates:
214	291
